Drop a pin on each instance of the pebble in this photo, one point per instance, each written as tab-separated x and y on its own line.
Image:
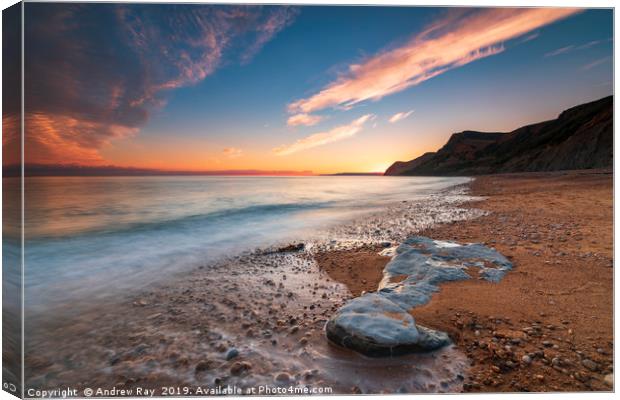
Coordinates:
240	367
140	349
527	360
232	353
283	377
580	377
609	379
589	364
203	366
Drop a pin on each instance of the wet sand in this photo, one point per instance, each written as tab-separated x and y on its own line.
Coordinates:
548	325
360	269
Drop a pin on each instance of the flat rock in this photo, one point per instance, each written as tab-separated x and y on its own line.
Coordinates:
379	324
375	326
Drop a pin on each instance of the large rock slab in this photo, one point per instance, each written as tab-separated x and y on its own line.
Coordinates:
380	324
375	326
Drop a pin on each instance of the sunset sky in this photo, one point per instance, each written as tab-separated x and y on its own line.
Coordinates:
327	89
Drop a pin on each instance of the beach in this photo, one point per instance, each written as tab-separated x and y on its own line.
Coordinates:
257	319
254	315
548	325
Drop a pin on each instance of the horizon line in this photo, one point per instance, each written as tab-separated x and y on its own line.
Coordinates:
37	169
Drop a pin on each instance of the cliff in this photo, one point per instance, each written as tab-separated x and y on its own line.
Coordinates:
580	138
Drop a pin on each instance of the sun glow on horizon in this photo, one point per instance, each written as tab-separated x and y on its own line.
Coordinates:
381	167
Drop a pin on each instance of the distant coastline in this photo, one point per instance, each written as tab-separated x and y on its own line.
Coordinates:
355	174
32	170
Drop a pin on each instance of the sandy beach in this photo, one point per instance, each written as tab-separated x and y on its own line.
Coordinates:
253	319
548	325
258	319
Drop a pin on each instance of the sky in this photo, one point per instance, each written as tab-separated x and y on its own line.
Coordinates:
307	88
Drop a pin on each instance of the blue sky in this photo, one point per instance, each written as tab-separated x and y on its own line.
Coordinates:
217	87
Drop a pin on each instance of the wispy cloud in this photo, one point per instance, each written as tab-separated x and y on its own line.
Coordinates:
454	41
98	71
596	63
303	119
319	139
559	51
530	37
232	152
399	116
190	43
589	44
572	47
279	19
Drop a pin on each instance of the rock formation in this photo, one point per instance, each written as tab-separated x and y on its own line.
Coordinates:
380	324
580	138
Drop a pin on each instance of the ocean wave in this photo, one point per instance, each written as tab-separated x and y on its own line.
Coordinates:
233	215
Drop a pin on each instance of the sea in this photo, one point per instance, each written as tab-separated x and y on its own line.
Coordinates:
96	238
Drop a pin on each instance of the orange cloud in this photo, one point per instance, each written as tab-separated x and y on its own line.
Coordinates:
304	119
398	116
63	139
452	42
232	152
11	139
320	139
10	128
